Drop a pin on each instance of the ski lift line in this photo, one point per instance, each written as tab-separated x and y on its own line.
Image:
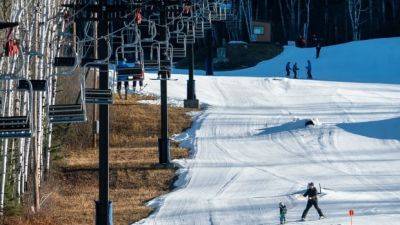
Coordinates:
104	36
132	22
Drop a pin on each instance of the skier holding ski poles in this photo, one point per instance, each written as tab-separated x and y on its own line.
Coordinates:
312	194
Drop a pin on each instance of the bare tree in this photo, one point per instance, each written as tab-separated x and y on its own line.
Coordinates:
355	9
291	6
307	24
282	19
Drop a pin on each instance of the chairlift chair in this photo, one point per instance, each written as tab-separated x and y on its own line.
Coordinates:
68	57
129	63
165	55
190	31
147	30
20	126
173	11
67	112
218	10
199	27
151	55
93	95
178	40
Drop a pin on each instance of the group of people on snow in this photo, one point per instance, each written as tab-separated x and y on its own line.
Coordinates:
312	195
295	70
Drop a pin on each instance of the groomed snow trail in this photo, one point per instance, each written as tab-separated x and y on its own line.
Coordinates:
251	151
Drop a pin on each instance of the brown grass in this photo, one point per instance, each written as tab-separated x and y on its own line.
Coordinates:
135	177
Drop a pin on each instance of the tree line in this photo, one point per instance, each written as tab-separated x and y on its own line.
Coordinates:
334	21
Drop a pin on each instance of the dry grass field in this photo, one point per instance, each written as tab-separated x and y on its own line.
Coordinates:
135	177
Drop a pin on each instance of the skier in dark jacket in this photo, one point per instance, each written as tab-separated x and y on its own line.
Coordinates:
318	50
295	69
312	194
282	212
309	69
288	69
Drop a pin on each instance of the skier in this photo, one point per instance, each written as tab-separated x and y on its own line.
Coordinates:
308	68
135	84
288	69
312	194
295	69
282	212
318	50
126	84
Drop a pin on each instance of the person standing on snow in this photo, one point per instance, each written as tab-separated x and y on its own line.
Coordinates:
295	69
282	212
312	195
308	68
318	50
288	69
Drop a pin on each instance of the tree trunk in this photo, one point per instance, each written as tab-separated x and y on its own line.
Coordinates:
282	19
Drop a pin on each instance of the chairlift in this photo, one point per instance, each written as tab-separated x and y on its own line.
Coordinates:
218	10
190	31
147	30
165	55
178	40
93	95
199	27
129	63
174	11
151	55
67	112
68	58
18	126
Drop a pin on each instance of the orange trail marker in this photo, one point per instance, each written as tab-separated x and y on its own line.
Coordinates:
351	214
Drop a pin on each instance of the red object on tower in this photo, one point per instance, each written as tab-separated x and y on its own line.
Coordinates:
11	46
138	16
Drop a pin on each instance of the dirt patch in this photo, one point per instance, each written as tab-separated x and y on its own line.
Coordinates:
135	177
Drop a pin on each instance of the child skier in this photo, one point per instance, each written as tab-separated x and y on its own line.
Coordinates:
295	69
282	212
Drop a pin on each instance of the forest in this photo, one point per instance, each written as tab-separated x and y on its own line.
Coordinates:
334	21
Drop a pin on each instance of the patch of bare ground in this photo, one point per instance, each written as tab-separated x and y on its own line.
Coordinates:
135	177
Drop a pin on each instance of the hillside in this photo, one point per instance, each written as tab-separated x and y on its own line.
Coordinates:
251	149
368	61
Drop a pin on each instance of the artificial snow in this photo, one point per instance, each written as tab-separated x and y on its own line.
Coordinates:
250	148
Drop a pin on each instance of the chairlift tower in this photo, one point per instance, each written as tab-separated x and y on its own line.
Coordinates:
191	101
164	74
103	205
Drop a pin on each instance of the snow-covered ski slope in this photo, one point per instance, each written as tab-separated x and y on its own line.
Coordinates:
374	61
250	150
